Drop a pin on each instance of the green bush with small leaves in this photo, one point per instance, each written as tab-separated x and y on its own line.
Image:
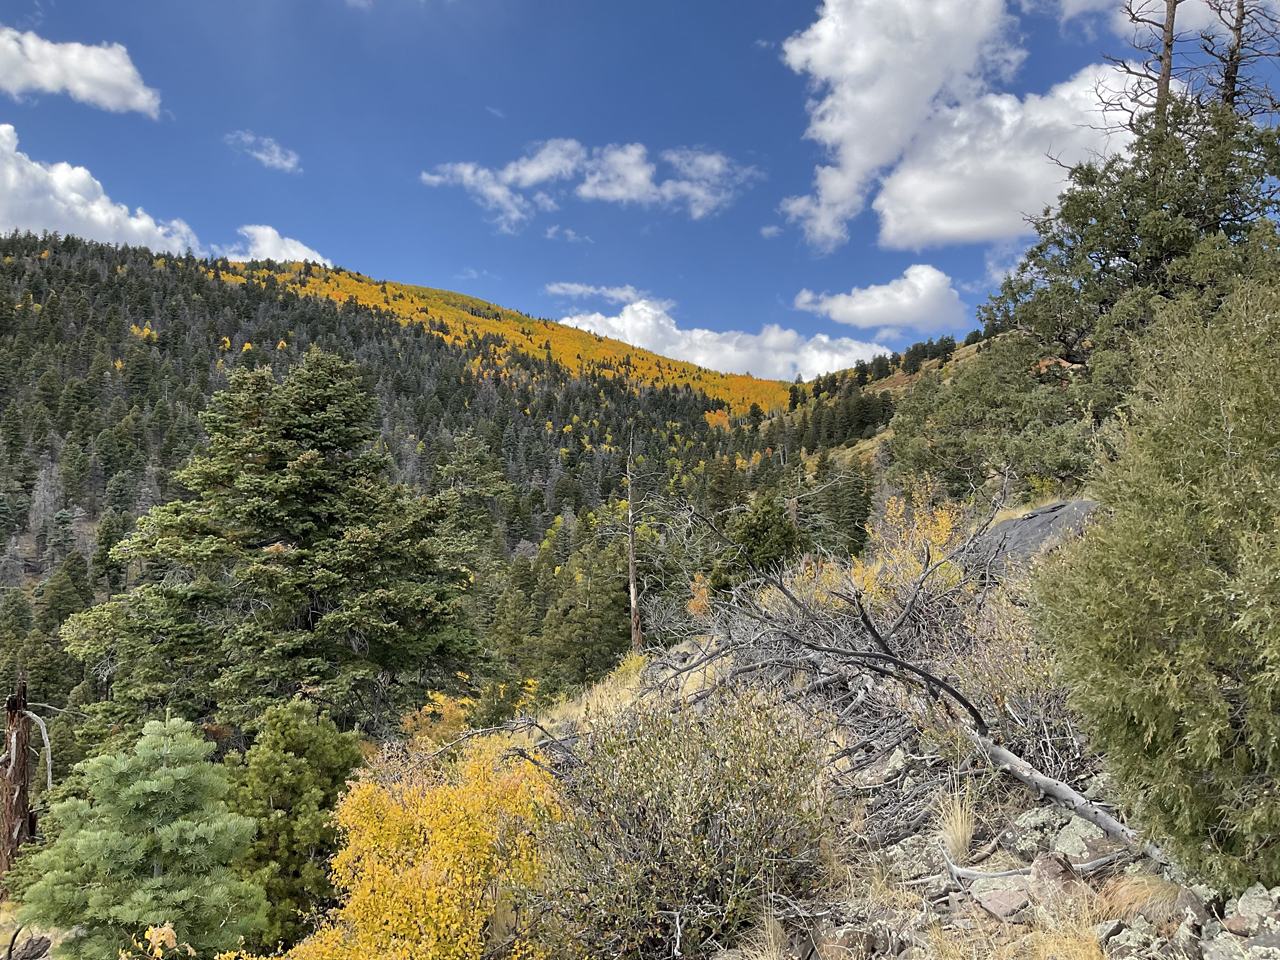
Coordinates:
677	822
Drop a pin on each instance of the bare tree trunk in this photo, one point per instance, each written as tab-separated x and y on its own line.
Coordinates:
1235	54
15	806
1167	37
637	637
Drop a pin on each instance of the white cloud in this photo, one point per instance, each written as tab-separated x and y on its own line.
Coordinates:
627	294
770	231
922	299
554	232
704	183
877	68
101	76
492	189
41	196
976	170
265	243
265	150
774	352
620	174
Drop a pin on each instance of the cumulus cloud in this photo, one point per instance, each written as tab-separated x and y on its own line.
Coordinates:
704	183
922	299
265	150
102	76
903	106
977	169
877	68
774	352
265	243
41	196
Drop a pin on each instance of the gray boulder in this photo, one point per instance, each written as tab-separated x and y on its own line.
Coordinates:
1012	544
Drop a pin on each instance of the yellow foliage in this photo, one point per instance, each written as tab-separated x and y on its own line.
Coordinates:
923	525
567	345
440	720
431	848
143	333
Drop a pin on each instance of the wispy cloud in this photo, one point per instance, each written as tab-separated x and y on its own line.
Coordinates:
265	150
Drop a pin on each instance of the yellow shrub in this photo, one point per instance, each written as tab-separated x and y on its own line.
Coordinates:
430	849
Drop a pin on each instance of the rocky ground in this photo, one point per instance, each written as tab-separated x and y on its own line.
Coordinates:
1032	881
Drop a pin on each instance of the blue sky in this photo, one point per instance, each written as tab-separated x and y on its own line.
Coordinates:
754	185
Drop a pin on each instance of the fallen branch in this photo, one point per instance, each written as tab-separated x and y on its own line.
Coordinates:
963	873
1061	793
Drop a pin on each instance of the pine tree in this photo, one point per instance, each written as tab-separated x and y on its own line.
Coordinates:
151	842
289	782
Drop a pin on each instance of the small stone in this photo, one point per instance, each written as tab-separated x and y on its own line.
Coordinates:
1186	941
1002	897
844	942
1190	906
1128	944
1255	903
1222	948
1265	946
1241	925
1033	831
1106	930
1053	878
1072	839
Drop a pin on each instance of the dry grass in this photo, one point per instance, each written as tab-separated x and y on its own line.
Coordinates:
957	820
613	693
767	941
1139	894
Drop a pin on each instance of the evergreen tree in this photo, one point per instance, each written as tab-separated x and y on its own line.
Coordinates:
150	842
289	782
588	627
1164	614
106	568
297	567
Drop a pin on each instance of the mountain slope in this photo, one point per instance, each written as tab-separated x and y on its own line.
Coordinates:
458	318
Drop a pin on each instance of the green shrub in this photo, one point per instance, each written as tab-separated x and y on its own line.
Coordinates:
289	782
149	844
1166	615
676	823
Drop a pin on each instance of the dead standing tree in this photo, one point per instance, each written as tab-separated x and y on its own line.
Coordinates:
1152	76
17	819
15	806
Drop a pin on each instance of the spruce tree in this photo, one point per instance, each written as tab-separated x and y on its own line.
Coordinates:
150	842
296	567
